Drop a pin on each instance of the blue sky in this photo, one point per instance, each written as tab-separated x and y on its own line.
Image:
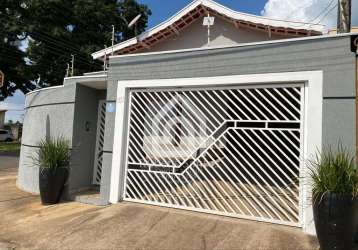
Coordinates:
161	10
314	11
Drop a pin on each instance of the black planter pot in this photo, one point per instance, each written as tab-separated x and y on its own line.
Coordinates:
51	185
335	218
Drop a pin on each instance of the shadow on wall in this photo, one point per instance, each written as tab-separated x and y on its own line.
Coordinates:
48	128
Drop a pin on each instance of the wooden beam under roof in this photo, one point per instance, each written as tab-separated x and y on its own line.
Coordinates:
174	29
269	31
190	17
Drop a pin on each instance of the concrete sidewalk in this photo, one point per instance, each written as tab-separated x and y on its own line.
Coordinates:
25	223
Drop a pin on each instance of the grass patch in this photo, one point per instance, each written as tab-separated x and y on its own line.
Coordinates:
10	147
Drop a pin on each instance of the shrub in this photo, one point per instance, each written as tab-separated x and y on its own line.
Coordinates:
53	154
333	171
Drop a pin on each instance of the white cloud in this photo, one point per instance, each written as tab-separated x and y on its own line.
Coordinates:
312	11
11	106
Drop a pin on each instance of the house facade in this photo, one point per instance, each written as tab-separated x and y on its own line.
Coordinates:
222	124
16	130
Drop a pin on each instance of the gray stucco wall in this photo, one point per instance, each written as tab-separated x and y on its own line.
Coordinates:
93	79
61	111
84	139
331	55
48	113
64	110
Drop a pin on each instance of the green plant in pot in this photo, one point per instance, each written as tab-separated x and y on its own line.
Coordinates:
53	161
334	196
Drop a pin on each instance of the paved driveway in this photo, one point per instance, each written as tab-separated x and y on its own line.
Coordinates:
9	161
24	223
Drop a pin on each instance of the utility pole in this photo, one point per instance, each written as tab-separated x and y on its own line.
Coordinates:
105	58
67	69
344	16
113	30
72	64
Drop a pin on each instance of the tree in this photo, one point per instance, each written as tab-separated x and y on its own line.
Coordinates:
12	59
56	29
80	27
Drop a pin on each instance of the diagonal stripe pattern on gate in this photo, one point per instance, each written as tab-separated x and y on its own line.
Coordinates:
232	151
97	173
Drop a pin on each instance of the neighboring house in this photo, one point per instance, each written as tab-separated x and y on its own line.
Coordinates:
16	130
2	118
223	128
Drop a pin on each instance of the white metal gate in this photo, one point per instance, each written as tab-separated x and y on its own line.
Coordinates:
232	151
101	123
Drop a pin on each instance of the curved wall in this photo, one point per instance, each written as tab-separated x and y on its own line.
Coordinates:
48	113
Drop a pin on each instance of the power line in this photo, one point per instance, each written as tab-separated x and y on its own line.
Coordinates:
56	44
13	58
60	52
47	41
57	51
46	38
327	14
319	15
325	9
35	32
51	39
66	11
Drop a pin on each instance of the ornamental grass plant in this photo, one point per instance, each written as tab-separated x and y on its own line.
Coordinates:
333	171
53	153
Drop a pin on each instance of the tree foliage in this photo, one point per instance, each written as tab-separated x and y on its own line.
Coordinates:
56	29
12	59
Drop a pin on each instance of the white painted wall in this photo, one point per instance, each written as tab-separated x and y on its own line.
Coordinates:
223	33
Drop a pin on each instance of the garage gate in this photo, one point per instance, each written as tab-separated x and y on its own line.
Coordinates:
233	150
